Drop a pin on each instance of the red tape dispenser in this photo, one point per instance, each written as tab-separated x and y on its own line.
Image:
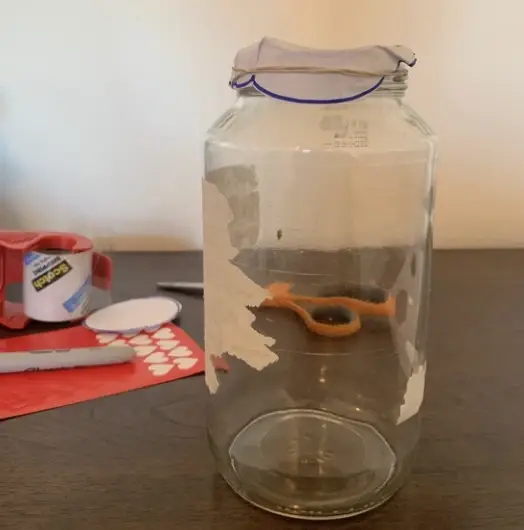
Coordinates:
57	271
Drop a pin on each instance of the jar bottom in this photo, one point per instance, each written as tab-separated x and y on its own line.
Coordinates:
312	464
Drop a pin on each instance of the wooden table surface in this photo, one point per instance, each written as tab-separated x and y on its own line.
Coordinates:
140	460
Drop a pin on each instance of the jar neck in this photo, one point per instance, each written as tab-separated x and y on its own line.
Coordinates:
393	86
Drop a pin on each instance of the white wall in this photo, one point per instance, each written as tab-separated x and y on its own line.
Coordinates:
104	105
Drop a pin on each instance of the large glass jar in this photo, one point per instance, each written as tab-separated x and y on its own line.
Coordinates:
317	231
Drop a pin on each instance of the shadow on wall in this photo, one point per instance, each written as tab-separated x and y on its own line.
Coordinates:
10	218
7	212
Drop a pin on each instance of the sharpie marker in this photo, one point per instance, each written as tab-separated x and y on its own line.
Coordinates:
34	361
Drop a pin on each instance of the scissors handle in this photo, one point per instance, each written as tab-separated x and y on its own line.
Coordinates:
364	300
316	325
336	311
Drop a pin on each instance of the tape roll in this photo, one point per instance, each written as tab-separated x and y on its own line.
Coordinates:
57	285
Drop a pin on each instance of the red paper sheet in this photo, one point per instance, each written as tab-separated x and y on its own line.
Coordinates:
163	355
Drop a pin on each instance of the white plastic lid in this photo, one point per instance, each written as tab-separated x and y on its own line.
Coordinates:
306	75
134	315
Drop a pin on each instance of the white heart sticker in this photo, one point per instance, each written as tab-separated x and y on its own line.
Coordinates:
185	364
144	351
180	351
141	340
119	342
106	338
157	357
168	344
164	333
158	370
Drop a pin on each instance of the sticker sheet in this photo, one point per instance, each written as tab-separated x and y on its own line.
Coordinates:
163	355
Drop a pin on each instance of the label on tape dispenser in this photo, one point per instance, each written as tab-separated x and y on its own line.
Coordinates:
57	285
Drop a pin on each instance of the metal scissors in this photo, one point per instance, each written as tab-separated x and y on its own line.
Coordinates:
335	311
